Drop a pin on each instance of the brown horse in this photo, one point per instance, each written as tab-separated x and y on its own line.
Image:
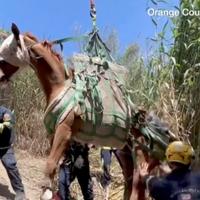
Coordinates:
18	51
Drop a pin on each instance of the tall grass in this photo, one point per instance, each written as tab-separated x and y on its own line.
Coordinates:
25	98
186	70
170	79
167	82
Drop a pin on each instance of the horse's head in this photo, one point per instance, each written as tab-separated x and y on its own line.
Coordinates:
13	54
20	50
152	135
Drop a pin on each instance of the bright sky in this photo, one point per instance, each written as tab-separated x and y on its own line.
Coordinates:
55	19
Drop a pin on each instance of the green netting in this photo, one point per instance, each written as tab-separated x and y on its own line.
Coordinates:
95	47
101	99
96	76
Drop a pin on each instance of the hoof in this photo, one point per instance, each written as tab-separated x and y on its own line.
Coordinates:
47	194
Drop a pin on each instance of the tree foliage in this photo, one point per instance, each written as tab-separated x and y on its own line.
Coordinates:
186	62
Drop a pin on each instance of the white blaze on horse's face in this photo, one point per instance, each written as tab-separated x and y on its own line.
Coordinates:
13	54
1	73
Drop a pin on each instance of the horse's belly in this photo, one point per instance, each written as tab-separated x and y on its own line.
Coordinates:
103	135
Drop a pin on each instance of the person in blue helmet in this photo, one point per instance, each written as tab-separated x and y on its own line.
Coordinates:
7	155
181	183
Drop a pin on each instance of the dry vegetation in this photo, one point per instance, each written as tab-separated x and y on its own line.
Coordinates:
167	83
31	169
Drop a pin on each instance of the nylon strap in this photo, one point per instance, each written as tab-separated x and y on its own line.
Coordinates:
73	39
69	39
4	148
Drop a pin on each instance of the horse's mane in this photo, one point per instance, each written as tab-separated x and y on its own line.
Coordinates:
31	36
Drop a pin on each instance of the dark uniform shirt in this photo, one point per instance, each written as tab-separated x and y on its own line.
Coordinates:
76	150
7	136
180	184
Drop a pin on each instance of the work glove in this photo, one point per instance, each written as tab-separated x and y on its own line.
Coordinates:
7	124
1	128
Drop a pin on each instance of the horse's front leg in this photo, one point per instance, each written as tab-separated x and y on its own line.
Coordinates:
60	143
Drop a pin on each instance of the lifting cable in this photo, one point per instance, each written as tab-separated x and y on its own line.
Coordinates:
93	13
95	47
82	37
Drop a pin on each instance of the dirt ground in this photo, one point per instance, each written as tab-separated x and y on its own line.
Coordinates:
31	170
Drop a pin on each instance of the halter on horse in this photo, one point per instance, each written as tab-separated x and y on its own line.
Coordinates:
19	51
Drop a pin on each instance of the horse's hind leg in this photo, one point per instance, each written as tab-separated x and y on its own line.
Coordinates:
125	160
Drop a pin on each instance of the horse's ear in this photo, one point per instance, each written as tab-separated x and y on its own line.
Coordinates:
16	33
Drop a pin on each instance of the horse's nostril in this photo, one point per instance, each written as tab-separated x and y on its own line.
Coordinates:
3	78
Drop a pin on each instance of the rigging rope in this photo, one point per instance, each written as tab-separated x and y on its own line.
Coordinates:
93	13
94	46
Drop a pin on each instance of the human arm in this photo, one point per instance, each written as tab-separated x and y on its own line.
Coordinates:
1	128
144	174
155	185
5	125
6	119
